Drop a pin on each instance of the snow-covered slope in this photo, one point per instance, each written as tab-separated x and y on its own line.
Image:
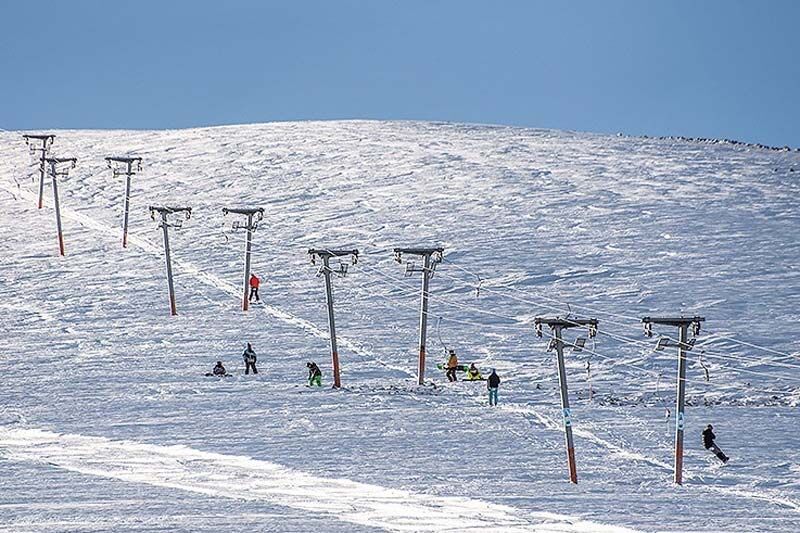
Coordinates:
108	422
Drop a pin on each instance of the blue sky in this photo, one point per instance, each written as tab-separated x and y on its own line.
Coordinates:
699	68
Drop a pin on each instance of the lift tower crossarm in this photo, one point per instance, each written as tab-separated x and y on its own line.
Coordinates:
242	210
123	159
170	209
673	321
332	253
419	251
58	160
566	322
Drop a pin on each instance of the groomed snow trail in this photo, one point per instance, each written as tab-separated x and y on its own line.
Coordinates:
229	476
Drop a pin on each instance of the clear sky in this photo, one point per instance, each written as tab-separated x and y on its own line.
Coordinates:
697	68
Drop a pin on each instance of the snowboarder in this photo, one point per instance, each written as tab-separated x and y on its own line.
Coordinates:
249	357
314	374
708	442
492	384
254	283
452	366
473	374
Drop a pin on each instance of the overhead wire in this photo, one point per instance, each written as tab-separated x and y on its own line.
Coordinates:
595	310
620	338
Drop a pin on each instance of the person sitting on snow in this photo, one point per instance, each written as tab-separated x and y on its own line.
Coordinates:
473	374
219	370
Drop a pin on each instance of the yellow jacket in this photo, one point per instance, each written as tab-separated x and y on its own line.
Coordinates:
452	362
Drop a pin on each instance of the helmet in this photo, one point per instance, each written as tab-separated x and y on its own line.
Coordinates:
219	363
309	364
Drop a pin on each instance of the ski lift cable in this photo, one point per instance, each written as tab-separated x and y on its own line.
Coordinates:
667	411
651	372
477	276
392	305
703	365
430	314
629	341
752	345
716	356
706	353
439	333
618	337
446	301
616	362
645	343
757	373
543	297
607	313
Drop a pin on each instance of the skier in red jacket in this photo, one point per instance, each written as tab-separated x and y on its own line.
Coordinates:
254	283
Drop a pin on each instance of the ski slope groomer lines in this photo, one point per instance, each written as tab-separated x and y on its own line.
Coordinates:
183	468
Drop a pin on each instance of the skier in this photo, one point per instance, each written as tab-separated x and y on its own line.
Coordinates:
314	374
708	442
219	370
249	357
473	374
492	384
452	365
254	283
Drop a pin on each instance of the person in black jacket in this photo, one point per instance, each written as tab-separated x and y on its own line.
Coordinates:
249	357
708	442
492	383
219	370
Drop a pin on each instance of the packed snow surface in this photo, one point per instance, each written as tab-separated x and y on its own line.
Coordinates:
107	421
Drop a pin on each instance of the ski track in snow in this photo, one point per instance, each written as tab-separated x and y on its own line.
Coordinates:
184	468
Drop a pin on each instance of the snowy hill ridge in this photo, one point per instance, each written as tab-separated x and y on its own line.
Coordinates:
533	223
